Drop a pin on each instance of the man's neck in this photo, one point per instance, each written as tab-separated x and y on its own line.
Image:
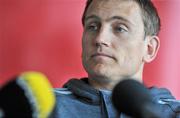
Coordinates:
105	83
102	83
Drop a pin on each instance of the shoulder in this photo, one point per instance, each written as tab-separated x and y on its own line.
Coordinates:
170	107
63	95
62	91
64	98
63	103
172	103
166	100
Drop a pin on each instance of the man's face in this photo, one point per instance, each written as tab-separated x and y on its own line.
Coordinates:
113	39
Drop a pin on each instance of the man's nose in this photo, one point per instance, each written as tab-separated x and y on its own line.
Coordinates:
103	37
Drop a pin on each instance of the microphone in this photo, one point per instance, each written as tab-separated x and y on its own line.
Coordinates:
133	99
29	95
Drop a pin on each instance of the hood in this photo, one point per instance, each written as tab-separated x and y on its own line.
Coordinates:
83	90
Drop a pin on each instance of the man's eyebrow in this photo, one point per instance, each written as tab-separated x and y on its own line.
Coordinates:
112	18
91	17
120	18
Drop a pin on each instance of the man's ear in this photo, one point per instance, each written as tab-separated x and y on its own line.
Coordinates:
152	47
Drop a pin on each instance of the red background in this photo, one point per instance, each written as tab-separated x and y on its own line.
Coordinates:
45	36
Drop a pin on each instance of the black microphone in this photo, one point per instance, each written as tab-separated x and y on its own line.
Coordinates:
134	99
29	95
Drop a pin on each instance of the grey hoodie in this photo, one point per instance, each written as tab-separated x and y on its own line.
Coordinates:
79	100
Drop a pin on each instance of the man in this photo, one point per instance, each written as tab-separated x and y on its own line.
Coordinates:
119	37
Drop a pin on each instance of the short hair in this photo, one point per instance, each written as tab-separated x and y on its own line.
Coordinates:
149	15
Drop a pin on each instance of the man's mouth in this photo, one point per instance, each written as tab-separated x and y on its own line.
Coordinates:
102	55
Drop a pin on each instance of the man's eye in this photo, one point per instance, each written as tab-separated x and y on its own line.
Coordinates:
92	27
120	29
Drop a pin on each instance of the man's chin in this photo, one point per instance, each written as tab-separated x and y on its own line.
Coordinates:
100	68
99	72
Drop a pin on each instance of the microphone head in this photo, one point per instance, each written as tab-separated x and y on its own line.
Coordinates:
130	97
42	90
28	95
